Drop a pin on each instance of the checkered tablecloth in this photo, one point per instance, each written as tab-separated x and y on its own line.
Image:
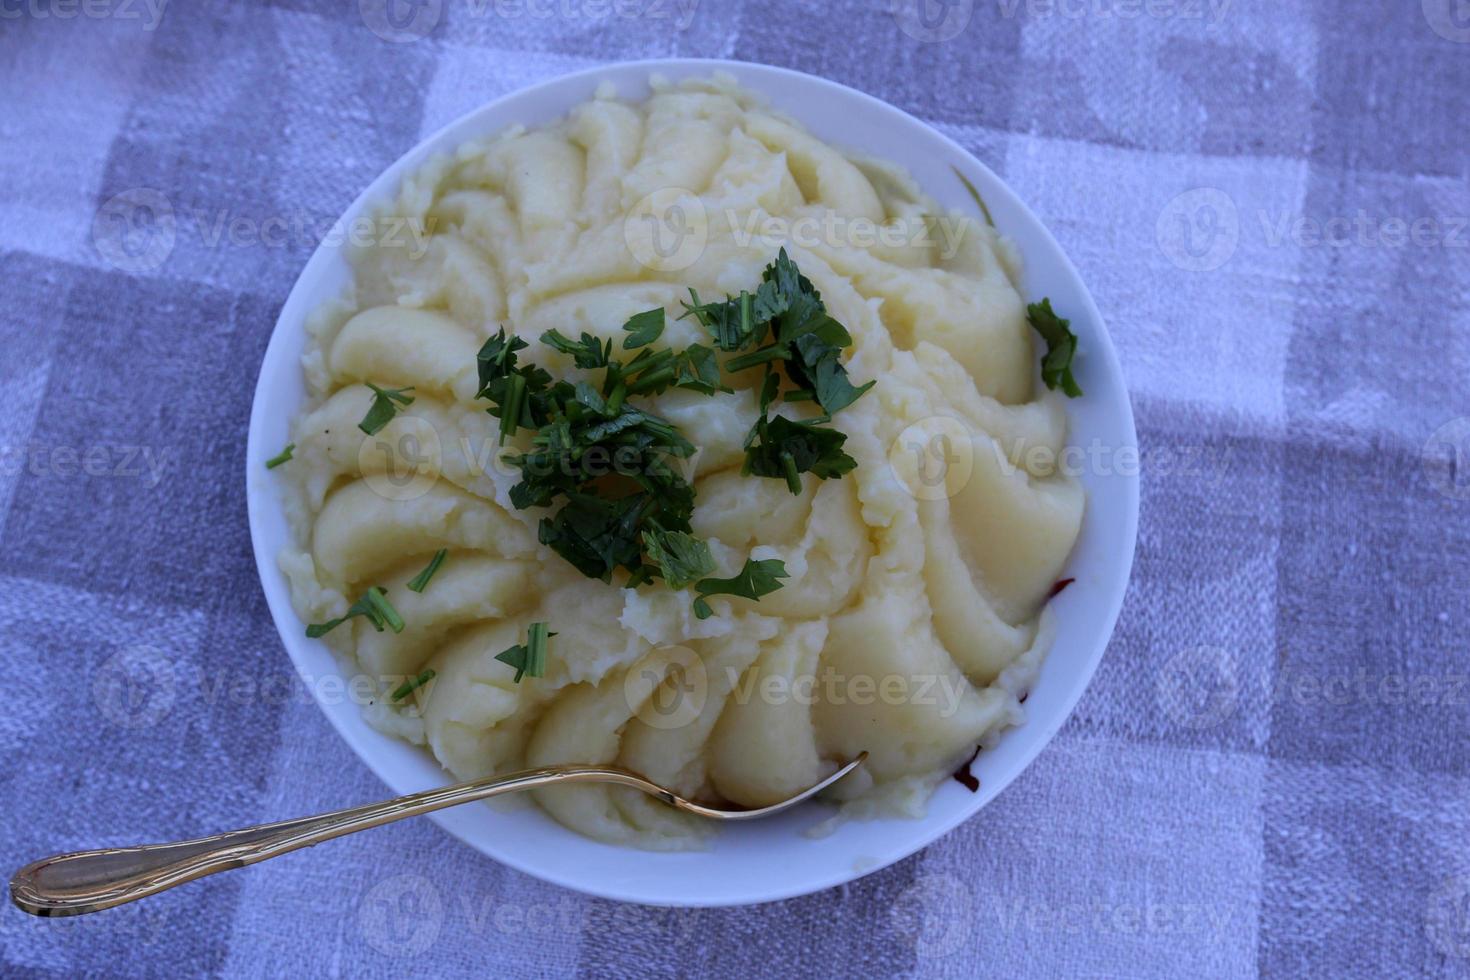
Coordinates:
1269	202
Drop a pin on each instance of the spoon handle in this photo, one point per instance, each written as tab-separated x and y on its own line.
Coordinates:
88	881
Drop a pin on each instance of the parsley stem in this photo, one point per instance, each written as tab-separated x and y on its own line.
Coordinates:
654	358
793	478
363	607
413	684
421	580
379	601
314	630
536	638
775	352
651	379
530	658
510	410
615	400
283	456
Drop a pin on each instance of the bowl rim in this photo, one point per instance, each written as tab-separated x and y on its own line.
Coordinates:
261	492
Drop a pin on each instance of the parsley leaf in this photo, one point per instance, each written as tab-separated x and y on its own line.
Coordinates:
518	395
421	580
284	456
698	370
497	359
756	579
597	535
807	345
413	684
1061	345
732	321
655	370
787	307
530	657
588	353
817	339
817	370
784	449
643	328
386	402
681	557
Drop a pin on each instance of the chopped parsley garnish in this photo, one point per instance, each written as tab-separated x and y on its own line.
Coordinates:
643	328
598	535
807	344
756	579
784	449
284	456
731	322
607	466
421	580
378	599
975	196
588	353
681	558
519	393
812	338
818	371
496	359
1061	345
413	684
655	370
530	657
373	605
386	402
607	463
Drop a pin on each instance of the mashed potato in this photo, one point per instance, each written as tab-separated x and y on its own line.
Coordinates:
912	618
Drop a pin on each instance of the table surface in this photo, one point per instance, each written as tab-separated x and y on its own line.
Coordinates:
1269	773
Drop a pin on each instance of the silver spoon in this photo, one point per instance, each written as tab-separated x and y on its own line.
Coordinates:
89	881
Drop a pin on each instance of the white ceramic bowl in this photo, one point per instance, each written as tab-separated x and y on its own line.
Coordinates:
770	859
